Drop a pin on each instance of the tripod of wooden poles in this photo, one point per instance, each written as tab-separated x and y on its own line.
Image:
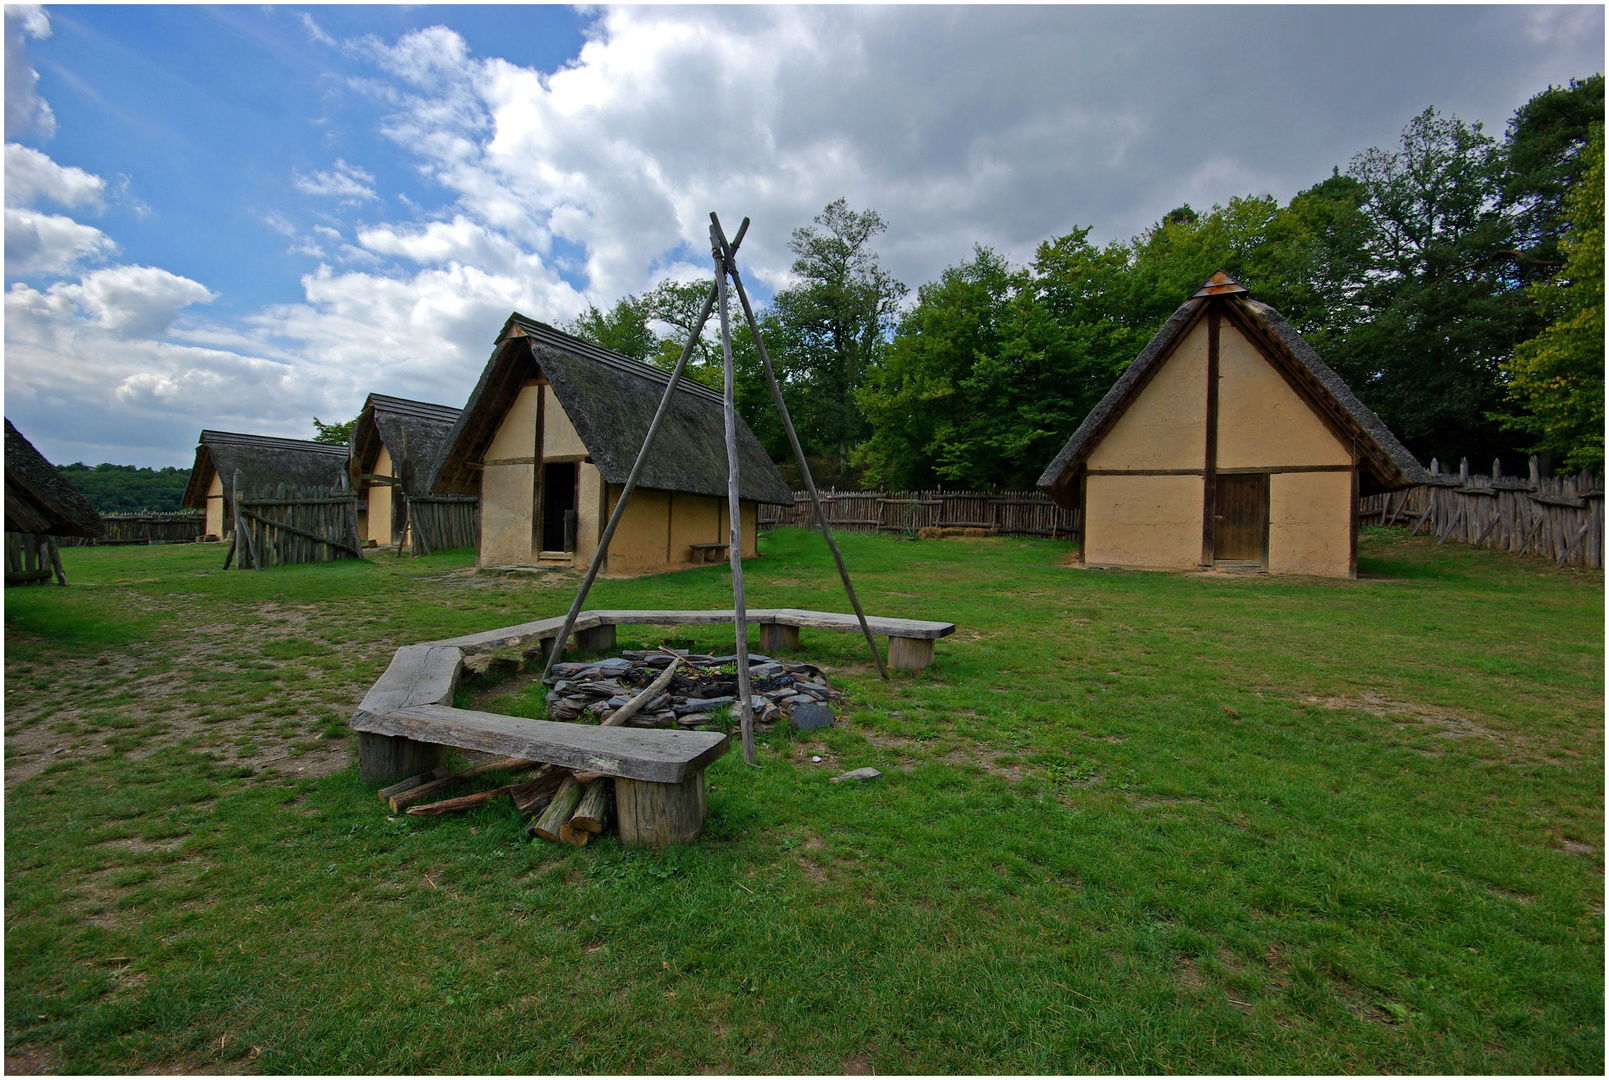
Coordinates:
724	253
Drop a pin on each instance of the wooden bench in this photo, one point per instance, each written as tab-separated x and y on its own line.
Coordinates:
709	553
910	641
406	723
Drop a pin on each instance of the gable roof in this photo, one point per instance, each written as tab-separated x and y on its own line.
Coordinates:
610	399
39	499
1386	464
262	459
414	433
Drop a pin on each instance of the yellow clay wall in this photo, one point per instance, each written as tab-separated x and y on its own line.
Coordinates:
215	524
1262	423
1143	521
1310	524
1166	426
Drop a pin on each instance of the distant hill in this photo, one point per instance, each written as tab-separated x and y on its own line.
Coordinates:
115	489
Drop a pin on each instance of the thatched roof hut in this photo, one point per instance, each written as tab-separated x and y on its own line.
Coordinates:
262	460
396	443
39	499
554	427
1227	442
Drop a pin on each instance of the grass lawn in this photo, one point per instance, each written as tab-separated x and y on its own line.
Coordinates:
1133	822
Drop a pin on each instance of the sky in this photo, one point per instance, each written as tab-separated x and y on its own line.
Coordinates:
240	218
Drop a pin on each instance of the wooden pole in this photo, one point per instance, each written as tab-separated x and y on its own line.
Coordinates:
798	451
602	550
734	505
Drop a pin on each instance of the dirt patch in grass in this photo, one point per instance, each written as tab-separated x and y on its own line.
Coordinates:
1188	975
856	1065
32	1061
214	685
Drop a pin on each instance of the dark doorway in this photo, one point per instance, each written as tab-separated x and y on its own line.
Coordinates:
1240	531
558	504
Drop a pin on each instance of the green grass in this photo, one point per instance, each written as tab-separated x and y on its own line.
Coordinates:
1128	822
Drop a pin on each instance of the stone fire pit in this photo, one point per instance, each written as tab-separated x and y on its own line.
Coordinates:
701	687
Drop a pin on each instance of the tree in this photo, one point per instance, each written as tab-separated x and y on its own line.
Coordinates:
622	329
340	434
1557	376
1543	151
837	320
1440	306
118	489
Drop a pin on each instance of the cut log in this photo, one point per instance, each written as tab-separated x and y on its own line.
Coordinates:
657	814
632	707
559	810
409	784
592	812
479	798
404	799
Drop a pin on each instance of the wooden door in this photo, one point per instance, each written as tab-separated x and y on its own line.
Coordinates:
1240	531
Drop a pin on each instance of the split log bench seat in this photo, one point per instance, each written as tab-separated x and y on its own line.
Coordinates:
709	553
910	641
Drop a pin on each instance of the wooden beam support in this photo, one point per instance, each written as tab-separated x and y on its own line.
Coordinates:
1209	472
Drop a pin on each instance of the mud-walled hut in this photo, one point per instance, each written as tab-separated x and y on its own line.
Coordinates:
550	435
262	460
396	447
39	499
1227	443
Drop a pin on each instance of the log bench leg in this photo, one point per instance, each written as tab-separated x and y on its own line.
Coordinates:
909	654
776	638
385	759
598	639
660	814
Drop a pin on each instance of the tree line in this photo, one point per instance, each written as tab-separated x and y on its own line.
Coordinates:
1455	281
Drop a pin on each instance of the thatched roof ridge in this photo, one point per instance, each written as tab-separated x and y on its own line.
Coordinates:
414	432
1387	465
611	400
39	499
262	460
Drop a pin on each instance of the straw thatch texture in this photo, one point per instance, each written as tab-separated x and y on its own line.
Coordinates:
39	499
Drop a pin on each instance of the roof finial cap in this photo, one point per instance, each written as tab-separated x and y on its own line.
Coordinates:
1219	284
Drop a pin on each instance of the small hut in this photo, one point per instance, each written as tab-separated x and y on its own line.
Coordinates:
396	447
41	504
550	435
262	460
1227	443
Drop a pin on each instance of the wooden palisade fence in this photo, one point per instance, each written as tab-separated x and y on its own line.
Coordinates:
282	526
1554	517
442	522
145	527
1005	513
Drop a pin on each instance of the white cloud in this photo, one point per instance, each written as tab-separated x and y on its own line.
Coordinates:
457	241
133	301
26	112
345	182
39	243
31	175
315	31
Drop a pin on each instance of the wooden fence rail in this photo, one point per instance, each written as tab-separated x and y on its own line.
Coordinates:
283	526
442	522
1005	513
1554	517
145	527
